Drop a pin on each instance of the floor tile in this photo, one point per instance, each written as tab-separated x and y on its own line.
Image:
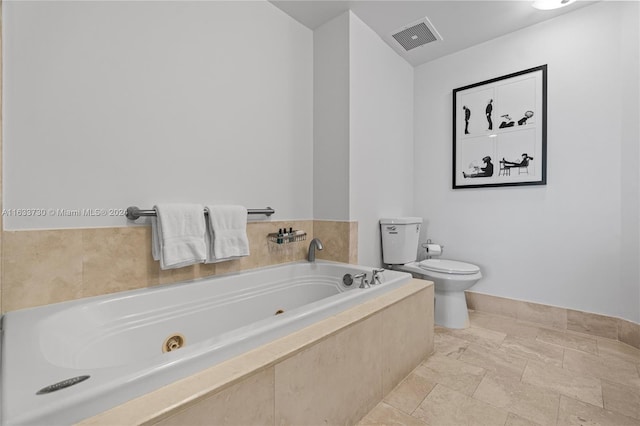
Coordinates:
497	360
515	373
410	393
584	388
516	420
384	414
621	399
574	412
531	402
618	371
568	340
457	375
534	350
481	336
448	345
444	406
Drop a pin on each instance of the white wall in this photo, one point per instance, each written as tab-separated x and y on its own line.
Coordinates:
111	104
363	130
381	136
331	120
565	243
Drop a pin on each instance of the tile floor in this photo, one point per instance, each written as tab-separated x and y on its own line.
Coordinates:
506	372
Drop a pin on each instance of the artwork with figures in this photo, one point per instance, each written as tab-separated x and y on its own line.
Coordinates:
500	132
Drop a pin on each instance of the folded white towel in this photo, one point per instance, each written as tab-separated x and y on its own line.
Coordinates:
227	233
178	235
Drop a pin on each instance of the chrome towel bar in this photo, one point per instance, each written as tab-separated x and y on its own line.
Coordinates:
134	213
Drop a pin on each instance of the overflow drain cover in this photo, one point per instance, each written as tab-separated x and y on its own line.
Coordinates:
61	385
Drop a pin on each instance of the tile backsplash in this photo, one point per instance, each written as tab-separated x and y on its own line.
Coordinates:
41	267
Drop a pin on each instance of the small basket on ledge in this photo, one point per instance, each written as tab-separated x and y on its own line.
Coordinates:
284	237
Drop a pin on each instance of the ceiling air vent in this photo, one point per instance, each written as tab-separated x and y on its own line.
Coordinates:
416	34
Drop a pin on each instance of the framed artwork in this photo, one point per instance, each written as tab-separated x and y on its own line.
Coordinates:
500	131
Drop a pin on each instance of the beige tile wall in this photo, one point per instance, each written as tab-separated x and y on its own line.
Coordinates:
340	240
48	266
551	316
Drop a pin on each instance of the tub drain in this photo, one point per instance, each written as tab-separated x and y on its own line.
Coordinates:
280	311
173	342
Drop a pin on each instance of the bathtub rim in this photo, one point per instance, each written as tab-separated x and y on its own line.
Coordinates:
170	399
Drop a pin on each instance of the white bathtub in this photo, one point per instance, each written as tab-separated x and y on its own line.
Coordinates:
117	339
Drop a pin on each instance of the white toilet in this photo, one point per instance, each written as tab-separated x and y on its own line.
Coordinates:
451	278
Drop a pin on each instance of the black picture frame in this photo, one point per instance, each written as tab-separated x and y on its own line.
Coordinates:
500	131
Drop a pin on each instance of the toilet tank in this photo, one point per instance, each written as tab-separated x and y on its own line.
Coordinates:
400	237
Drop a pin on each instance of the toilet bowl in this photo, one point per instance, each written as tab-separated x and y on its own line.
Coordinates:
450	277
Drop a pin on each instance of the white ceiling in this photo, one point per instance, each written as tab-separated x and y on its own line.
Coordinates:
461	24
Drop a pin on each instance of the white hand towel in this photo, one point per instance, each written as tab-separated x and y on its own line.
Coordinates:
178	237
227	233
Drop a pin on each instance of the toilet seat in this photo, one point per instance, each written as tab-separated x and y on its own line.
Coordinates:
453	267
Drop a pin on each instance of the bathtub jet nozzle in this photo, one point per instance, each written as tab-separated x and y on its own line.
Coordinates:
173	342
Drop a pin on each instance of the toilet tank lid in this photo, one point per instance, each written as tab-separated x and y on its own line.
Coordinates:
400	221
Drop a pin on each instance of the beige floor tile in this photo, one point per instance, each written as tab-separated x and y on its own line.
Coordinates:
384	414
534	350
516	420
503	325
498	361
568	340
573	412
410	393
586	364
584	388
485	359
444	406
481	336
621	399
457	375
534	403
448	345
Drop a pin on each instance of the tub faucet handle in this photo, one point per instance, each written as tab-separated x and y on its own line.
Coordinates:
363	280
375	279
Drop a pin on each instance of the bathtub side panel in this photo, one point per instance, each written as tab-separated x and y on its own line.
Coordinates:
407	334
249	402
336	381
